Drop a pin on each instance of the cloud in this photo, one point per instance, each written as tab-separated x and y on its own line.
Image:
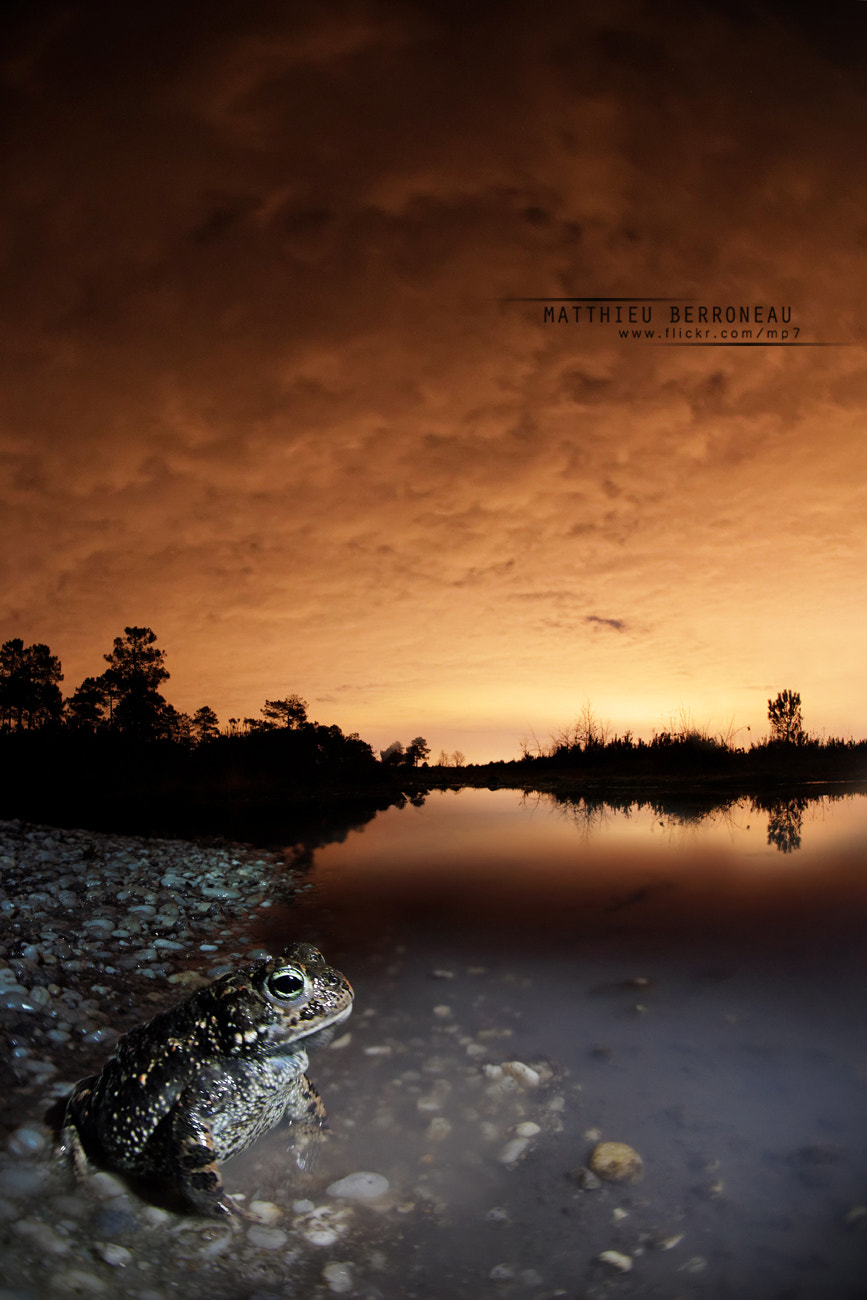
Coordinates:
616	624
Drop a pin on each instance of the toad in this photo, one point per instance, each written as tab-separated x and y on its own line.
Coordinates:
203	1080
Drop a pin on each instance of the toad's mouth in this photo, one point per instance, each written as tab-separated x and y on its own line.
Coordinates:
318	1033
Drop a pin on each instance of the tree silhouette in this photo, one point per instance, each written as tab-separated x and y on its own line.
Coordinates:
289	712
136	668
784	824
417	751
90	707
30	696
784	715
205	725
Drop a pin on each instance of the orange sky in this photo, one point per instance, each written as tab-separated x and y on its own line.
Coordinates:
260	391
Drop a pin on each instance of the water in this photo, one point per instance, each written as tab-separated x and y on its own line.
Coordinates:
690	983
532	977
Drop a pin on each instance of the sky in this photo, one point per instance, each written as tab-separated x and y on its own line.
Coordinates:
268	387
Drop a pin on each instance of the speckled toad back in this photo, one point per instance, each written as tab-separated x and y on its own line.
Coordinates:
202	1081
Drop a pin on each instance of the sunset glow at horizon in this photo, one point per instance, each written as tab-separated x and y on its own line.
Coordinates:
278	379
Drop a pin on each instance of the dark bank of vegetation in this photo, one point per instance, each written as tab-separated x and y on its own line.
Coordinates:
589	753
116	753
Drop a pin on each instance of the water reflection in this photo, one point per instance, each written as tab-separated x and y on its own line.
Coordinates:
785	813
677	976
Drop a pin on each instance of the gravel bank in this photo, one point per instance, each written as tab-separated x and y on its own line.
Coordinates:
99	932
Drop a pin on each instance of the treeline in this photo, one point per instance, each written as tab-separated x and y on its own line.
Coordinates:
121	718
591	747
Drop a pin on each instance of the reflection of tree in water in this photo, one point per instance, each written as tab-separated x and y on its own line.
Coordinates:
587	814
681	816
784	823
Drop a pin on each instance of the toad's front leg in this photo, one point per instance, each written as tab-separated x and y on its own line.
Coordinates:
196	1167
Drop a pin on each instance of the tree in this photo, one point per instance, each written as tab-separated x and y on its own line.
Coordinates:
784	715
417	751
90	707
173	725
29	692
136	668
205	725
458	758
289	712
393	756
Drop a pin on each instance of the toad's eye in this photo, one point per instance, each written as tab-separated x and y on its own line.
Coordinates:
287	984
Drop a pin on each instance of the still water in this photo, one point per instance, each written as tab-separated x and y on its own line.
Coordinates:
686	981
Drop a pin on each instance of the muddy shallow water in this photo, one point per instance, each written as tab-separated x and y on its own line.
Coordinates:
532	979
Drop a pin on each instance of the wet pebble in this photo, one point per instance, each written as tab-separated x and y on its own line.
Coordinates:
338	1277
27	1141
362	1186
616	1260
323	1226
267	1238
616	1162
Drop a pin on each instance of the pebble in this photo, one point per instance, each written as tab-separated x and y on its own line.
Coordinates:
268	1238
614	1258
438	1129
362	1186
75	1281
586	1179
513	1150
525	1075
117	1256
323	1226
338	1277
616	1162
27	1141
268	1212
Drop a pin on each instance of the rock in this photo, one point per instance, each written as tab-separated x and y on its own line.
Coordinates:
361	1186
616	1162
614	1259
338	1276
525	1075
513	1150
266	1237
585	1179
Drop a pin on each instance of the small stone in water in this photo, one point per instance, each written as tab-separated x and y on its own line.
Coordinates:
623	1263
27	1141
362	1186
338	1275
585	1178
616	1162
524	1074
266	1238
513	1150
438	1129
117	1256
268	1212
527	1130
